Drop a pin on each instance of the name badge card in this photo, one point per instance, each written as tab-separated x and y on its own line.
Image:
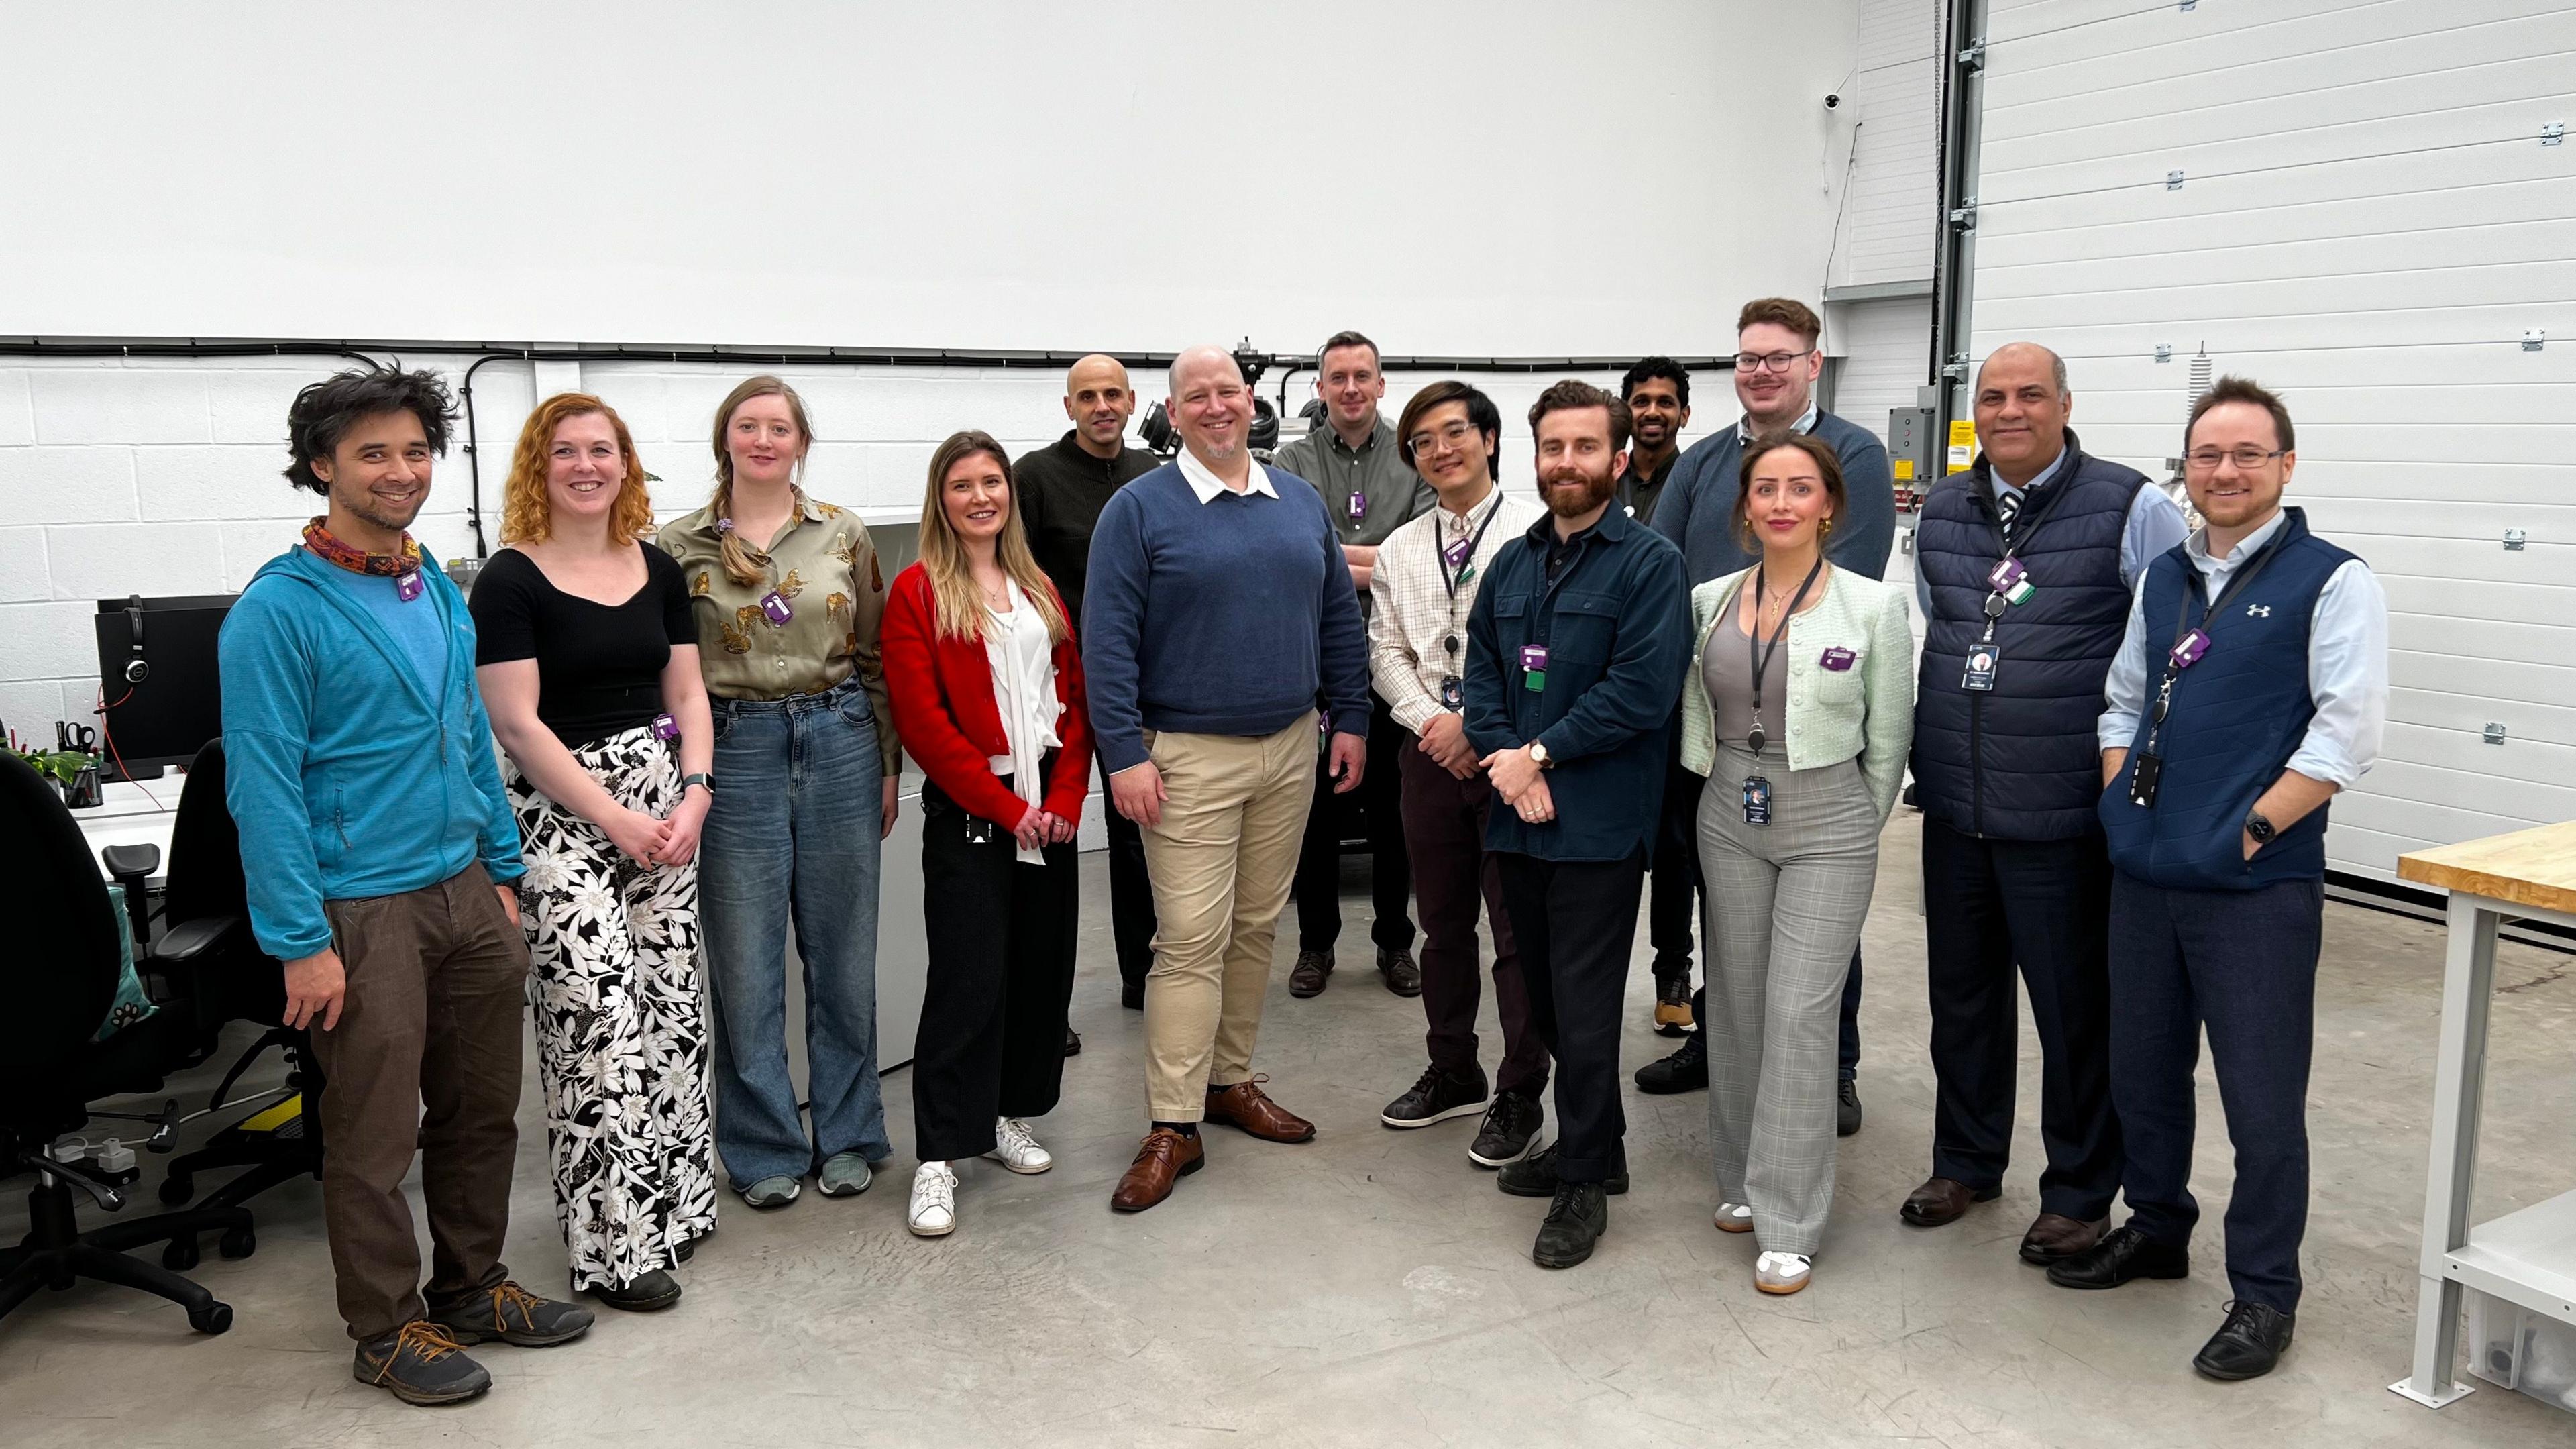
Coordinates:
409	587
1453	693
1979	675
1757	800
1838	659
2010	580
1359	505
1534	666
775	607
2188	651
665	727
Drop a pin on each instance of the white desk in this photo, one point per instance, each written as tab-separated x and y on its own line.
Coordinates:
133	814
2528	1257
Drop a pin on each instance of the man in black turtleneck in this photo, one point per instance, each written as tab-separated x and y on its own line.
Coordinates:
1061	492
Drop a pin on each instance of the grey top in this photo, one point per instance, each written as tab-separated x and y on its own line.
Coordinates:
1726	672
1391	492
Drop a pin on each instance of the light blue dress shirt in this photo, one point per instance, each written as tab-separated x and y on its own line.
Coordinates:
2155	524
2347	663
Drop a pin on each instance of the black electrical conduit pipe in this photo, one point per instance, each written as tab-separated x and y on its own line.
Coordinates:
484	353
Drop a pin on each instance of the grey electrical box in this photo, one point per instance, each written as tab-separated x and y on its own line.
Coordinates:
1910	452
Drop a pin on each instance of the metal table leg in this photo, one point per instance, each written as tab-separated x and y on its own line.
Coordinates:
2459	1082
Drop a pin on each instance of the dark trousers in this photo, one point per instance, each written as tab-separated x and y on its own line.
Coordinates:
426	1051
1575	922
2244	964
1672	900
1444	835
1131	899
1319	858
1001	938
2044	904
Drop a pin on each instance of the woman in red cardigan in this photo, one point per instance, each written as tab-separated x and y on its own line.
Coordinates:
987	691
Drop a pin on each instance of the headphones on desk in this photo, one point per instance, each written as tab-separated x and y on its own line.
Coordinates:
137	669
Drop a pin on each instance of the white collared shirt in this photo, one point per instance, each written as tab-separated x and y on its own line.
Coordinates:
1023	660
1204	482
1806	423
1413	609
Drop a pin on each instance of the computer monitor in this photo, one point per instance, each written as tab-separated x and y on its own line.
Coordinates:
160	681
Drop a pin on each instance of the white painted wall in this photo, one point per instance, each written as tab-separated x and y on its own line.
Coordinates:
1887	226
2368	222
1460	178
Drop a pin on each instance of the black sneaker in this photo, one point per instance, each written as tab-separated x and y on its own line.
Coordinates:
1535	1176
1437	1097
1403	977
511	1314
1072	1042
2248	1345
1684	1071
1306	978
1846	1108
421	1364
646	1293
1575	1221
1510	1126
1673	1003
2124	1253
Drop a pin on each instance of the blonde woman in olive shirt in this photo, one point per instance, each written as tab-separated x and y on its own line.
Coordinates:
787	595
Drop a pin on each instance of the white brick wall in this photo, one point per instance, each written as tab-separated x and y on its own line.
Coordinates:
161	476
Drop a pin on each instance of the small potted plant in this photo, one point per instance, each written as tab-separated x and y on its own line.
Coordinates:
65	768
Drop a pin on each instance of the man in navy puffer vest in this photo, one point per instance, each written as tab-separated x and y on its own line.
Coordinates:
2014	870
2252	684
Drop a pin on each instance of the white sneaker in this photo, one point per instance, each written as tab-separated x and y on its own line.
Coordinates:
1781	1272
1734	1217
1016	1147
934	1201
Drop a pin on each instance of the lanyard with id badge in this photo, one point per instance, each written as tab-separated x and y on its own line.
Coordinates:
1457	564
772	604
1757	789
2007	585
2191	644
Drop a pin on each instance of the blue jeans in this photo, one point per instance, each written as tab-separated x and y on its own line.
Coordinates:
792	833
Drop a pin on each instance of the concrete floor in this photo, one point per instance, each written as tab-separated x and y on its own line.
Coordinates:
1372	1288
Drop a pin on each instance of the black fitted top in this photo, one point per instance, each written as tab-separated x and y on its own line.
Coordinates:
599	666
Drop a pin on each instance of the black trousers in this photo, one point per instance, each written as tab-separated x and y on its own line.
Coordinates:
2243	963
2044	905
1001	938
1575	922
1672	901
1131	900
1444	828
1319	864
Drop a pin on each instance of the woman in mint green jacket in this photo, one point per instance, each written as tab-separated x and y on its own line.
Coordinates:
1799	711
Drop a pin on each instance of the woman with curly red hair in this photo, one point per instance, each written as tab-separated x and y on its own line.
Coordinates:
588	662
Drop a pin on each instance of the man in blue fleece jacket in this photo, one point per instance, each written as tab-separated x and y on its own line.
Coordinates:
380	856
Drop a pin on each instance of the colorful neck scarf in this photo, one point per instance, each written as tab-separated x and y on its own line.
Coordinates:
359	561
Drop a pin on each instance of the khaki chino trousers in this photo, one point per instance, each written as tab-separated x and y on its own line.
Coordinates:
1221	862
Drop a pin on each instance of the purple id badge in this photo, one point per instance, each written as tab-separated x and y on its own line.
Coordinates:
2005	575
1534	666
1359	505
1838	659
2188	652
1455	551
775	607
665	727
408	587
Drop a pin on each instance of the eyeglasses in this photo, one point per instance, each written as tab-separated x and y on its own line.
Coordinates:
2204	460
1771	362
1455	435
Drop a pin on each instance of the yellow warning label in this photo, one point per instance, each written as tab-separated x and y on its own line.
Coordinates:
1963	433
1904	470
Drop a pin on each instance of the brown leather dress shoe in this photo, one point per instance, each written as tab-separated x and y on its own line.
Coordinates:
2055	1236
1939	1202
1164	1158
1246	1106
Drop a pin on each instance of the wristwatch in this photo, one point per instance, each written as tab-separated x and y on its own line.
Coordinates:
1538	755
2258	827
709	781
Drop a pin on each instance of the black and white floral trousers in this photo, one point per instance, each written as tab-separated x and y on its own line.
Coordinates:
620	1020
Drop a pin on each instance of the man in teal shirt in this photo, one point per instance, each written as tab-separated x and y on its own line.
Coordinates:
381	858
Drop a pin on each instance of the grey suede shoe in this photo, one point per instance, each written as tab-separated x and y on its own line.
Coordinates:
771	1192
844	1174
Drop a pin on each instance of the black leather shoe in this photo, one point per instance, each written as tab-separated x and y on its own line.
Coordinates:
1072	1042
1510	1125
1575	1221
1402	976
1847	1109
1132	997
2248	1345
1437	1097
1535	1176
1684	1071
647	1293
2125	1254
1307	977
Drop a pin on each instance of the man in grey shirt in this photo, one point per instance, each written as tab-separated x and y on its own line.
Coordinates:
1354	461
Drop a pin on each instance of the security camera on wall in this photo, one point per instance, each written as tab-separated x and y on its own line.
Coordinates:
1832	101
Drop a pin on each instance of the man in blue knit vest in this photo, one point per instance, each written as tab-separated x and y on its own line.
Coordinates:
2024	566
1777	362
1217	612
2252	684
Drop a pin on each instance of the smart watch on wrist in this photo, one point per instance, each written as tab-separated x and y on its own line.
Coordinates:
2258	827
701	779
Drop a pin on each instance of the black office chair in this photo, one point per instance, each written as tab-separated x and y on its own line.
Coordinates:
205	924
58	975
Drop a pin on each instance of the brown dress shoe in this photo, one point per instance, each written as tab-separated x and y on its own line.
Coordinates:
1939	1202
2055	1236
1164	1158
1246	1106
